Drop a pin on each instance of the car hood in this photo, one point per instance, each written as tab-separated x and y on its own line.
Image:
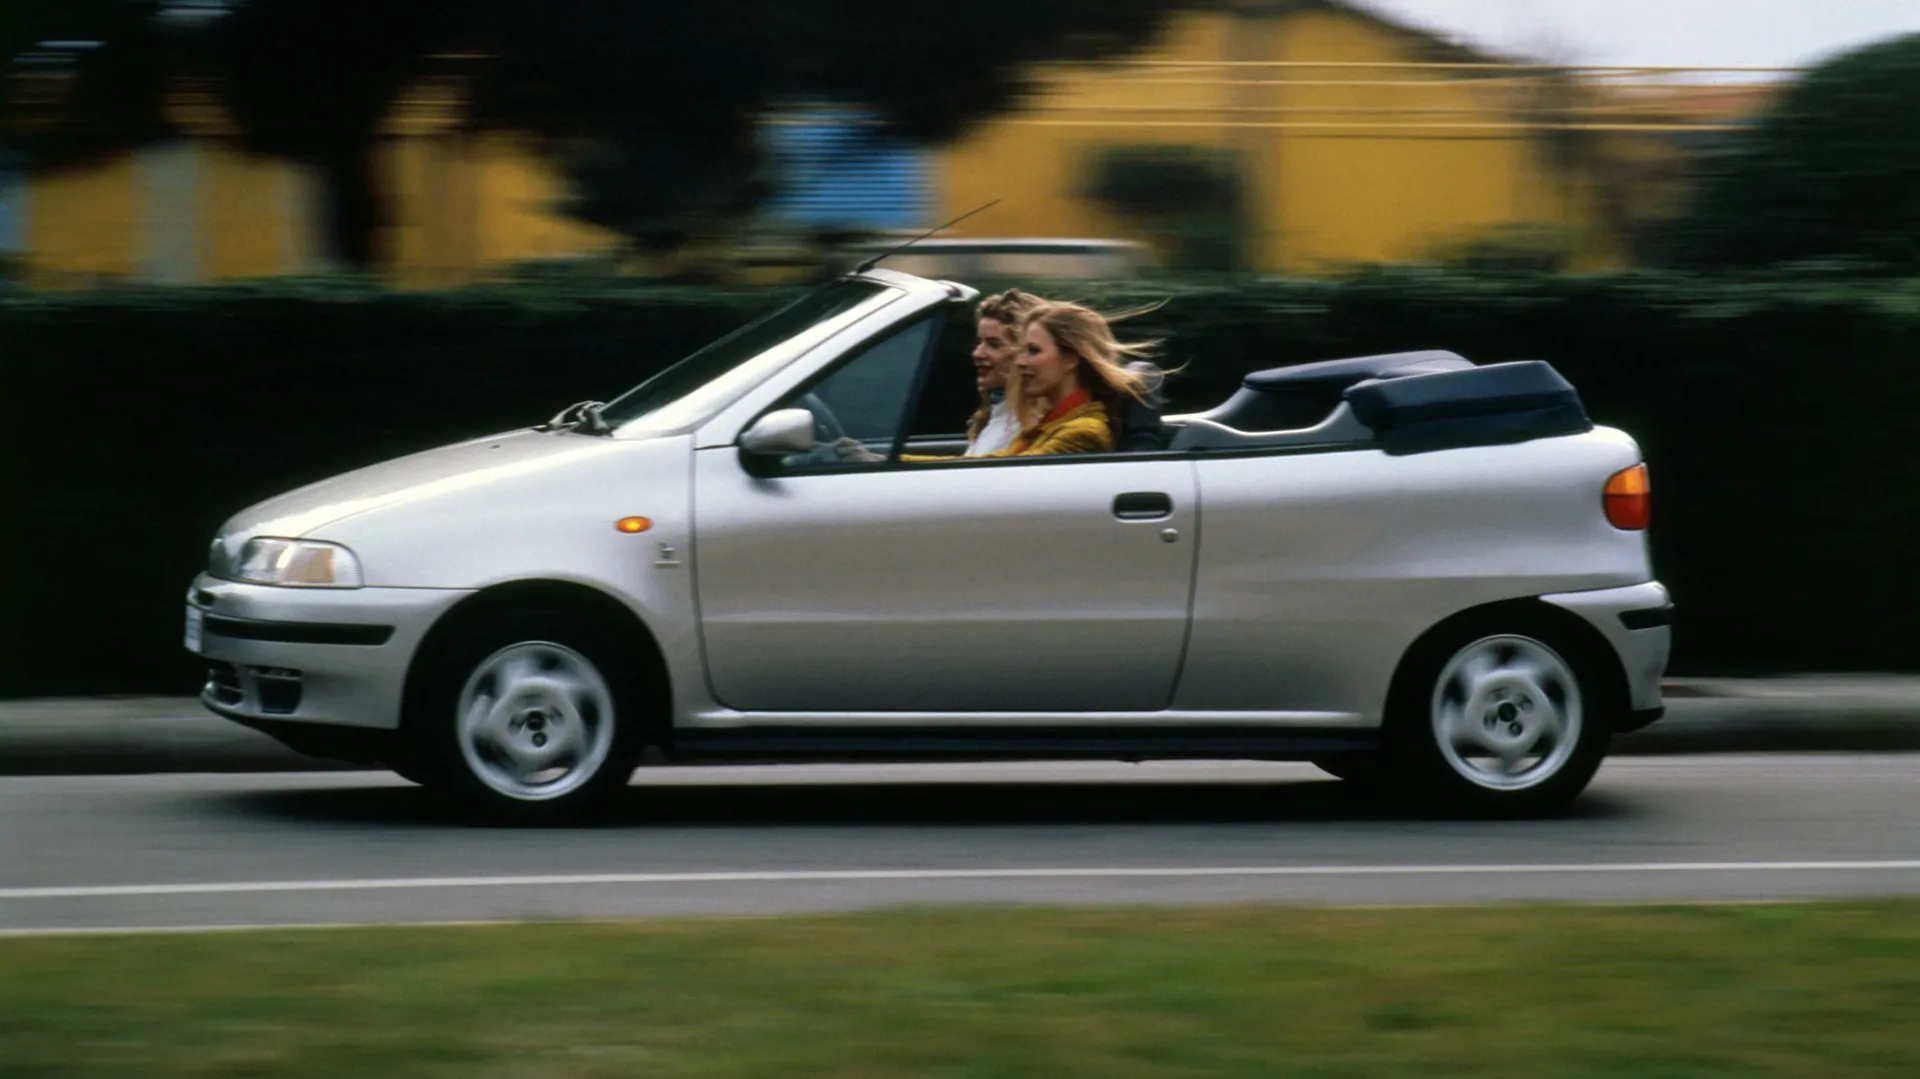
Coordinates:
449	468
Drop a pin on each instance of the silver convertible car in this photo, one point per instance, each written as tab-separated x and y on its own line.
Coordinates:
1411	570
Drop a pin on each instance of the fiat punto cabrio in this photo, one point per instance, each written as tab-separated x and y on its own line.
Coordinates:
1411	570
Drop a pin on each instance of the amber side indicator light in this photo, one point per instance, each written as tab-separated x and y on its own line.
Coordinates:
633	525
1629	499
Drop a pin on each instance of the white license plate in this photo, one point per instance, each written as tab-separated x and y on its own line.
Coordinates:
196	626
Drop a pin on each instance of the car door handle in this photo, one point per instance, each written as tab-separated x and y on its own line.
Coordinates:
1142	506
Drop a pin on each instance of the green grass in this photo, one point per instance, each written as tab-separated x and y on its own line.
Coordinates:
1818	990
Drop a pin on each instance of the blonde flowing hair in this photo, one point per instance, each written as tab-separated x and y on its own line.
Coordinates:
1010	309
1089	335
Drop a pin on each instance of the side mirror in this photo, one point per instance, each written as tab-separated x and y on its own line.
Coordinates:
776	434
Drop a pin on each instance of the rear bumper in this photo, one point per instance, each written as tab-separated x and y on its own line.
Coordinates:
1638	622
287	657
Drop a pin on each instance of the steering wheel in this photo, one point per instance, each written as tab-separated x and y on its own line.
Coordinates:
827	429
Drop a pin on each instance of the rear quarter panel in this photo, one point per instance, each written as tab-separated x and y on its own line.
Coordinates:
1318	571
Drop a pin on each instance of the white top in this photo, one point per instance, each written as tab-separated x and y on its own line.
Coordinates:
997	433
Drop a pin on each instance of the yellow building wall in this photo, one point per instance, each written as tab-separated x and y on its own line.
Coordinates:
458	208
1340	171
429	235
520	195
1035	160
85	225
1380	173
463	205
244	205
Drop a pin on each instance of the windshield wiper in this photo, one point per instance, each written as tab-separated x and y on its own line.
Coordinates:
577	416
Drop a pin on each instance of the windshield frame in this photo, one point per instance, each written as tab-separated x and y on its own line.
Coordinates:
919	296
705	400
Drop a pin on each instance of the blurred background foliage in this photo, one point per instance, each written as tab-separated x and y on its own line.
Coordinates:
655	118
613	88
1769	407
1191	199
1762	353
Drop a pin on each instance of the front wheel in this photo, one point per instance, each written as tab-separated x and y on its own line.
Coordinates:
1502	720
529	717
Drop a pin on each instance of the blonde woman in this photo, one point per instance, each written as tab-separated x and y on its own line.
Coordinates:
996	423
1074	382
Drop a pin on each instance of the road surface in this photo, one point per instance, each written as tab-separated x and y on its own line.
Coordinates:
174	851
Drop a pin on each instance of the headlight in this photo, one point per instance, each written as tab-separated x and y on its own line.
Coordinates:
297	564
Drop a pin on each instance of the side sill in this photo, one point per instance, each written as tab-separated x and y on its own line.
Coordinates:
907	744
1640	720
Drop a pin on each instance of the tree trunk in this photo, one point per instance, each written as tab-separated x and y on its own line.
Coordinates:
353	213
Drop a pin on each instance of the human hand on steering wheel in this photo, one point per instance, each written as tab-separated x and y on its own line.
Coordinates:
852	449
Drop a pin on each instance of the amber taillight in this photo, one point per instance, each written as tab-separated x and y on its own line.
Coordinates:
1629	499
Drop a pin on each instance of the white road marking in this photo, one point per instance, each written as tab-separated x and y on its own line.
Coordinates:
829	876
265	927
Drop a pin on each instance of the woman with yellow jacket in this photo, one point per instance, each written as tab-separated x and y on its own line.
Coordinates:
1073	382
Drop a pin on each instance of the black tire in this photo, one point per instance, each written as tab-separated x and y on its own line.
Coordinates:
569	688
1573	680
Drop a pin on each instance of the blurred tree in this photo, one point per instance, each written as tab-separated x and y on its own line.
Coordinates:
1831	171
660	195
1191	199
1630	182
1519	248
82	78
656	104
313	81
654	109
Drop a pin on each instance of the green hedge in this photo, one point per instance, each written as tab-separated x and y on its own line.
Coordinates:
1774	414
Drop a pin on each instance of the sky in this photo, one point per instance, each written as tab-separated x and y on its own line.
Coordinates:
1679	33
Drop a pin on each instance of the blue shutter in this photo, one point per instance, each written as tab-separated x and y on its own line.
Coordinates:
835	172
13	187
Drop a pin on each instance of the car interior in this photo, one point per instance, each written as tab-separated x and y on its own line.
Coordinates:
1404	402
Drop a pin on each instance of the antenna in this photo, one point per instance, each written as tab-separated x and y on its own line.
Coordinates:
875	260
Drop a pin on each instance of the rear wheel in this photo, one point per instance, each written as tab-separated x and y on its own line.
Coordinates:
1503	718
528	716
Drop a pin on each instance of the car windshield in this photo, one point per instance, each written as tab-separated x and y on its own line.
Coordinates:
673	396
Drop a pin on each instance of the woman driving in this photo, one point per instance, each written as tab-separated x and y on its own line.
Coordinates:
996	423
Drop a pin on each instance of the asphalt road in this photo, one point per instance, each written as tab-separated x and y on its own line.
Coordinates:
241	850
1787	714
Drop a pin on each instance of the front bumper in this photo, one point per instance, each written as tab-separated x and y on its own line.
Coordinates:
311	656
1637	622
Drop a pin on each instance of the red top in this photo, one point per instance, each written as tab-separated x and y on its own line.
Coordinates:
1074	400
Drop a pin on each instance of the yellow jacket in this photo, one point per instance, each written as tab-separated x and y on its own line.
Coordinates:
1082	429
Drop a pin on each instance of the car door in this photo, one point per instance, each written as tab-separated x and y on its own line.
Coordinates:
1007	587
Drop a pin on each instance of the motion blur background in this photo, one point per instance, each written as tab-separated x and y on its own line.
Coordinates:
245	244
